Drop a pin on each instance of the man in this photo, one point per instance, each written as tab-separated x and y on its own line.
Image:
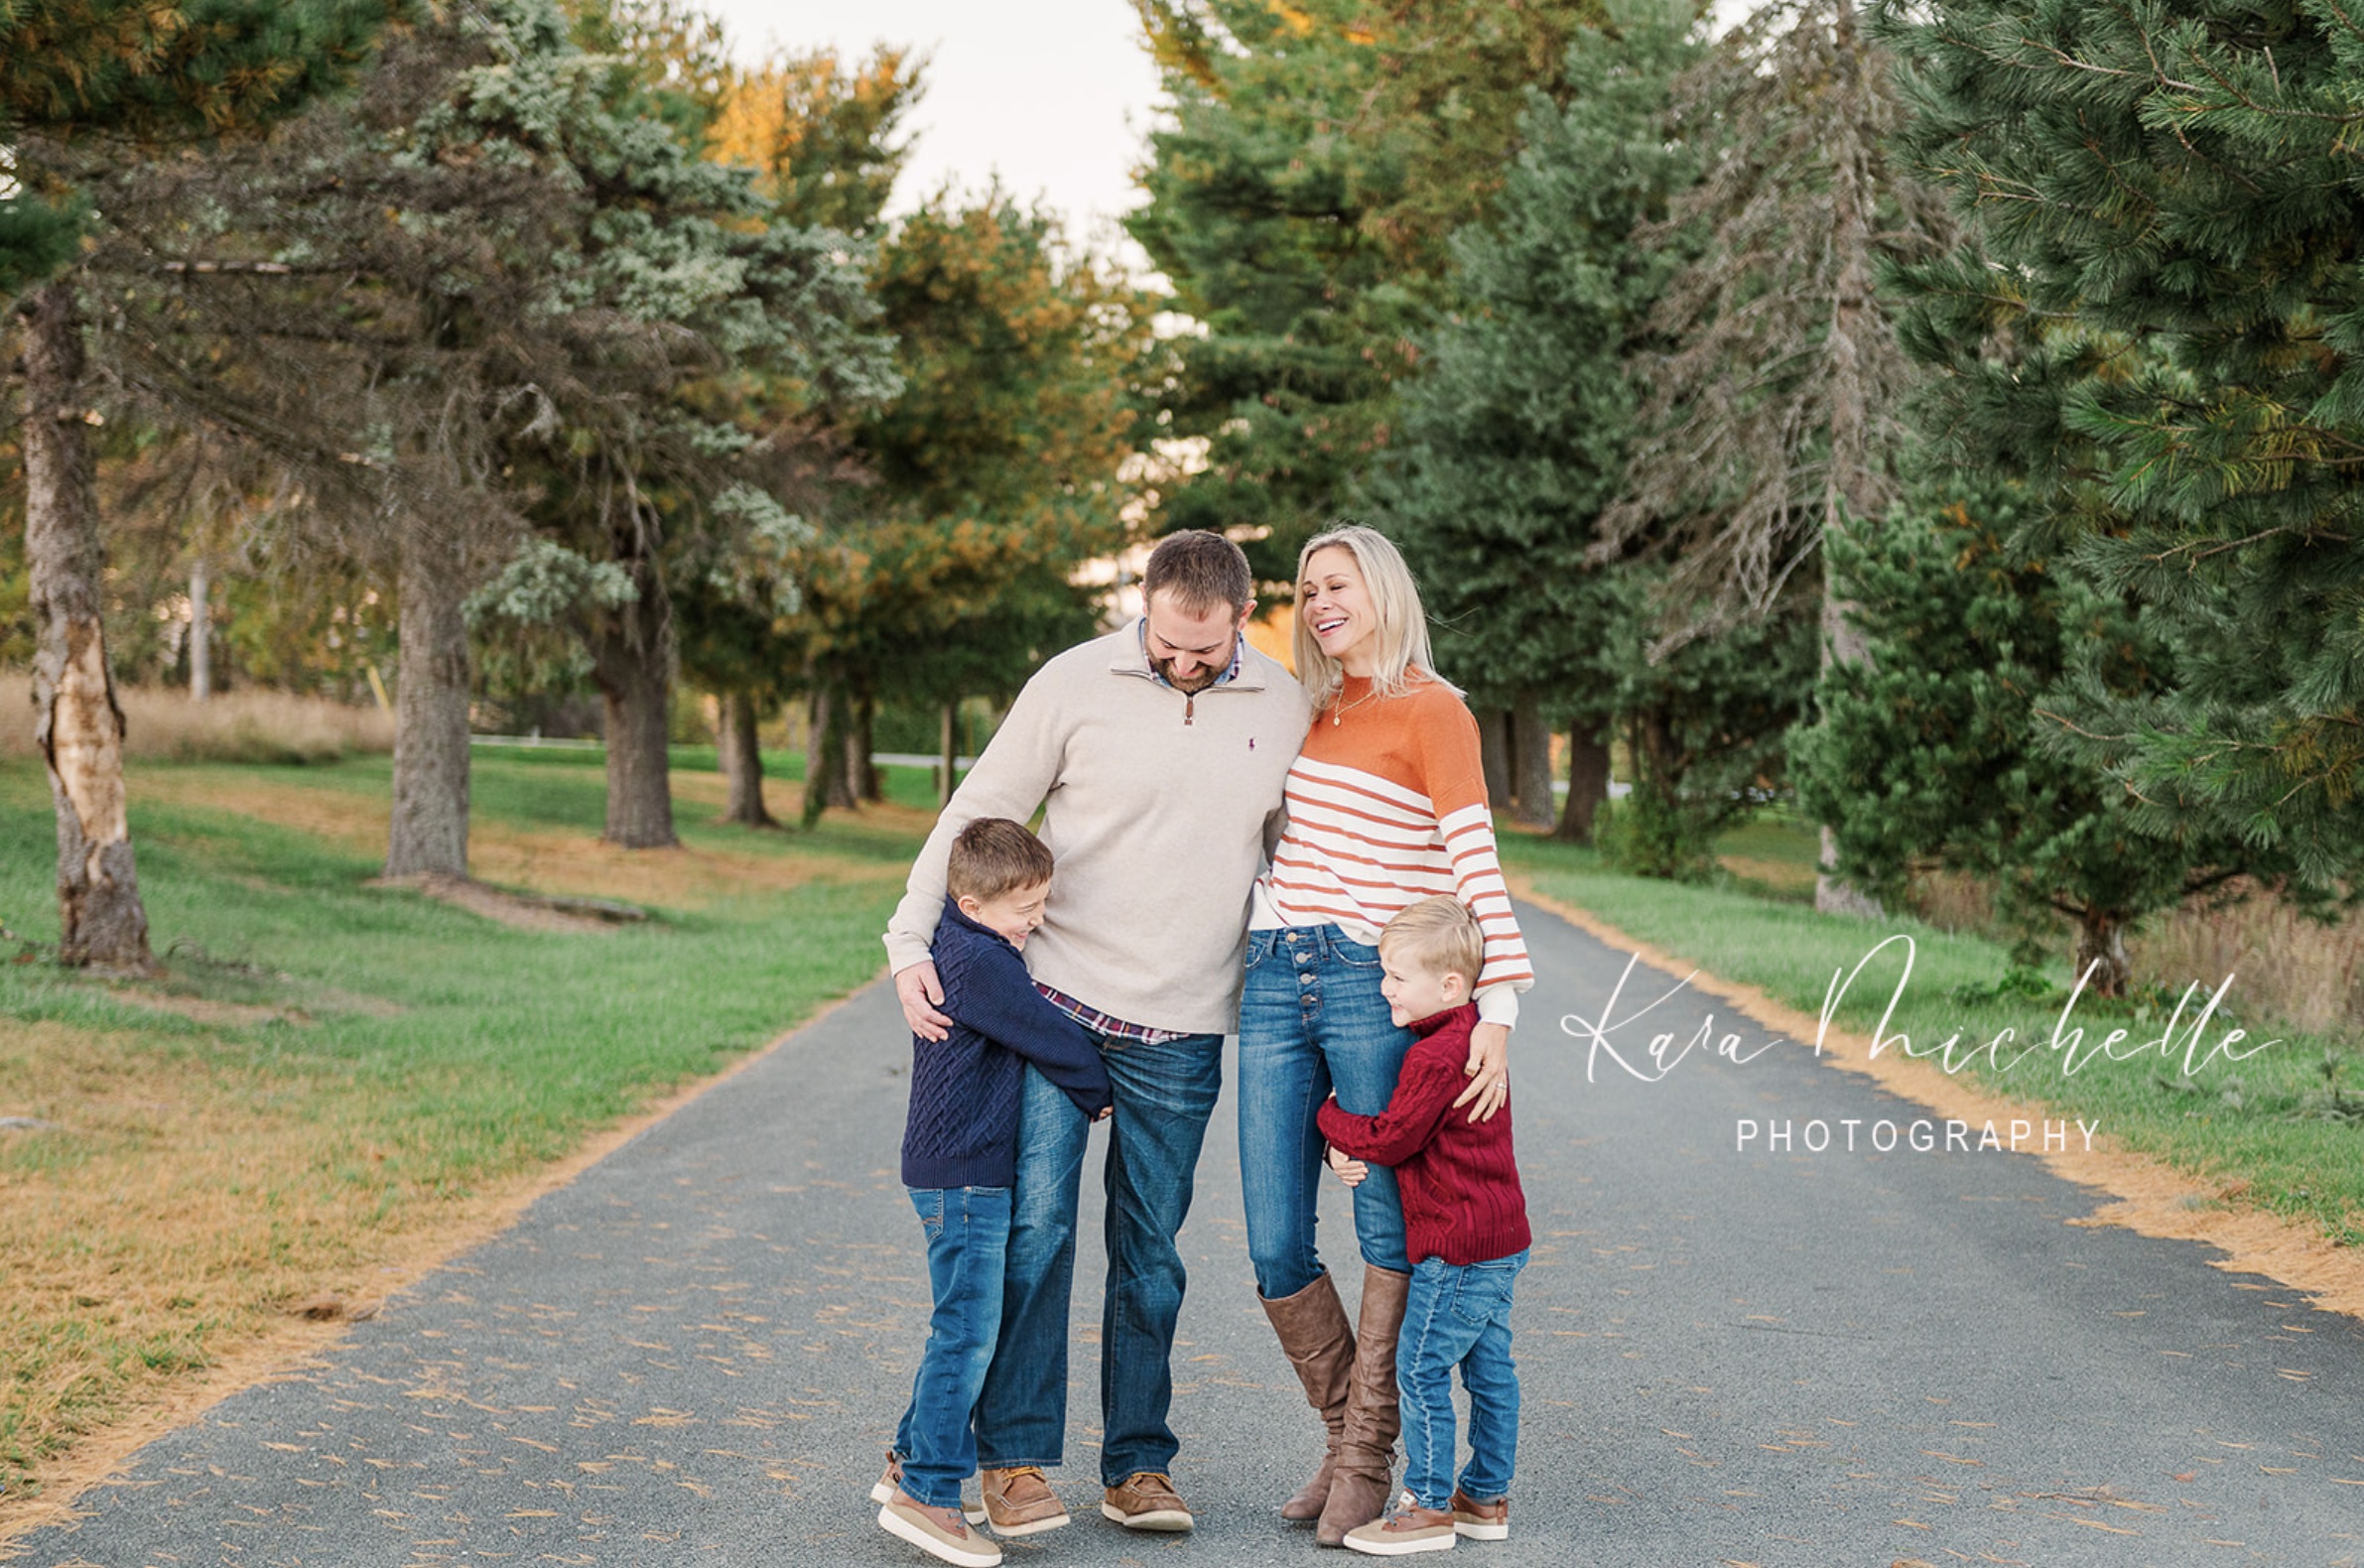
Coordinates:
1157	754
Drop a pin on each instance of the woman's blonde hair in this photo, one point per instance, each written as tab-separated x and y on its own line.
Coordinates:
1402	629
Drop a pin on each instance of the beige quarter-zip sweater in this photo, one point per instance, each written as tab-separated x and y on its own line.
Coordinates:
1159	807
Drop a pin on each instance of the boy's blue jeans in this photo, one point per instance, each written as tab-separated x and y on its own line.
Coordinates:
1458	1315
968	1231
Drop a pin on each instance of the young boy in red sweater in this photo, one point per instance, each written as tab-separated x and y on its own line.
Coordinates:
1465	1229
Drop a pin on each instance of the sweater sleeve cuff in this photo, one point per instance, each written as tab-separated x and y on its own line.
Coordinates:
1498	1004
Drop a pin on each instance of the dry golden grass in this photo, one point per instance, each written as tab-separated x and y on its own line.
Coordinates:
175	1205
2294	972
543	861
244	725
202	1203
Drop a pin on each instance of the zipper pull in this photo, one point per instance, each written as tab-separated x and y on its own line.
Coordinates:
1190	706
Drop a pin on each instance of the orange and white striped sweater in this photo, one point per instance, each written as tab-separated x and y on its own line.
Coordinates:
1388	806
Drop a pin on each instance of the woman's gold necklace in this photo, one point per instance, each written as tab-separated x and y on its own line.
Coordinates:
1338	709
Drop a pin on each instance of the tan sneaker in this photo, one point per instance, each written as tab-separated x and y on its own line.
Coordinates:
1408	1529
1481	1522
883	1490
1018	1502
940	1532
1146	1500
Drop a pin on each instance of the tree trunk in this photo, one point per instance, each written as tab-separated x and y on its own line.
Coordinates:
2101	942
1530	767
860	769
201	633
946	780
742	761
1493	755
825	755
429	826
80	724
1850	493
638	684
1588	786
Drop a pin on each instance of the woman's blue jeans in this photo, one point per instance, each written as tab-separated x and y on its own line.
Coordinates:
1311	1020
968	1231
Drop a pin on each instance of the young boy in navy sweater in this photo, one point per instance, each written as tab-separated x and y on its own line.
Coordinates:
1465	1229
960	1158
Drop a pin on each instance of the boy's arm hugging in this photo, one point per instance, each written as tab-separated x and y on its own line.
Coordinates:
1002	1004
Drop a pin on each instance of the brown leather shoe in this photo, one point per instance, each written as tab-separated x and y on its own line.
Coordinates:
1018	1502
1481	1522
1146	1500
1320	1344
1367	1445
1408	1529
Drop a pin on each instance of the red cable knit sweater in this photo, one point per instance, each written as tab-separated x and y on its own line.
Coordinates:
1459	1184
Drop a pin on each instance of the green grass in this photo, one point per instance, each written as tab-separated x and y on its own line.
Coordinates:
2287	1121
350	1062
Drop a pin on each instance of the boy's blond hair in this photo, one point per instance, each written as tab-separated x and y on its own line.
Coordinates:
1440	935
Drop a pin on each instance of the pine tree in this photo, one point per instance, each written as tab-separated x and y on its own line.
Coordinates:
2159	322
1319	158
996	470
1514	431
86	84
1932	752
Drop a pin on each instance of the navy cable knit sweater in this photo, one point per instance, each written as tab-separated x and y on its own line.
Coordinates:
963	1127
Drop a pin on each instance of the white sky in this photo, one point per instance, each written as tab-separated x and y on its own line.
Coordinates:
1054	96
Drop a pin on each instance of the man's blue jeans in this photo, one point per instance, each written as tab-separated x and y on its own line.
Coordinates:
1164	1094
1311	1020
1458	1315
968	1231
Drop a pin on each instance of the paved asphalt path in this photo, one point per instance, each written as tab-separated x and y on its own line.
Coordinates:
696	1352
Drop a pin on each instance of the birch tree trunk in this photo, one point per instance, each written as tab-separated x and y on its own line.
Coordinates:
201	632
80	724
428	833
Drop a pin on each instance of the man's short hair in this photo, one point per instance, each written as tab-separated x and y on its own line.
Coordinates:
1440	935
1203	571
993	855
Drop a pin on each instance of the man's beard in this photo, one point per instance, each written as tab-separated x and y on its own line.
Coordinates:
1188	686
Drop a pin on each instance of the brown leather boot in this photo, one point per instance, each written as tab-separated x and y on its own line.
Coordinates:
1320	1344
1359	1484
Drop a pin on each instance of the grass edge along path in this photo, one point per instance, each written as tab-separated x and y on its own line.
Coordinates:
466	1224
287	1146
2154	1198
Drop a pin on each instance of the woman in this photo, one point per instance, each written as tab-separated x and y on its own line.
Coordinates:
1386	803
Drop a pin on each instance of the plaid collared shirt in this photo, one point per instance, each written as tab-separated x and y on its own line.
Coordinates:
1099	1022
1229	675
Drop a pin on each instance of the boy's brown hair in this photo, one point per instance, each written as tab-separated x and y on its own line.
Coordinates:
1440	935
1203	571
993	855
